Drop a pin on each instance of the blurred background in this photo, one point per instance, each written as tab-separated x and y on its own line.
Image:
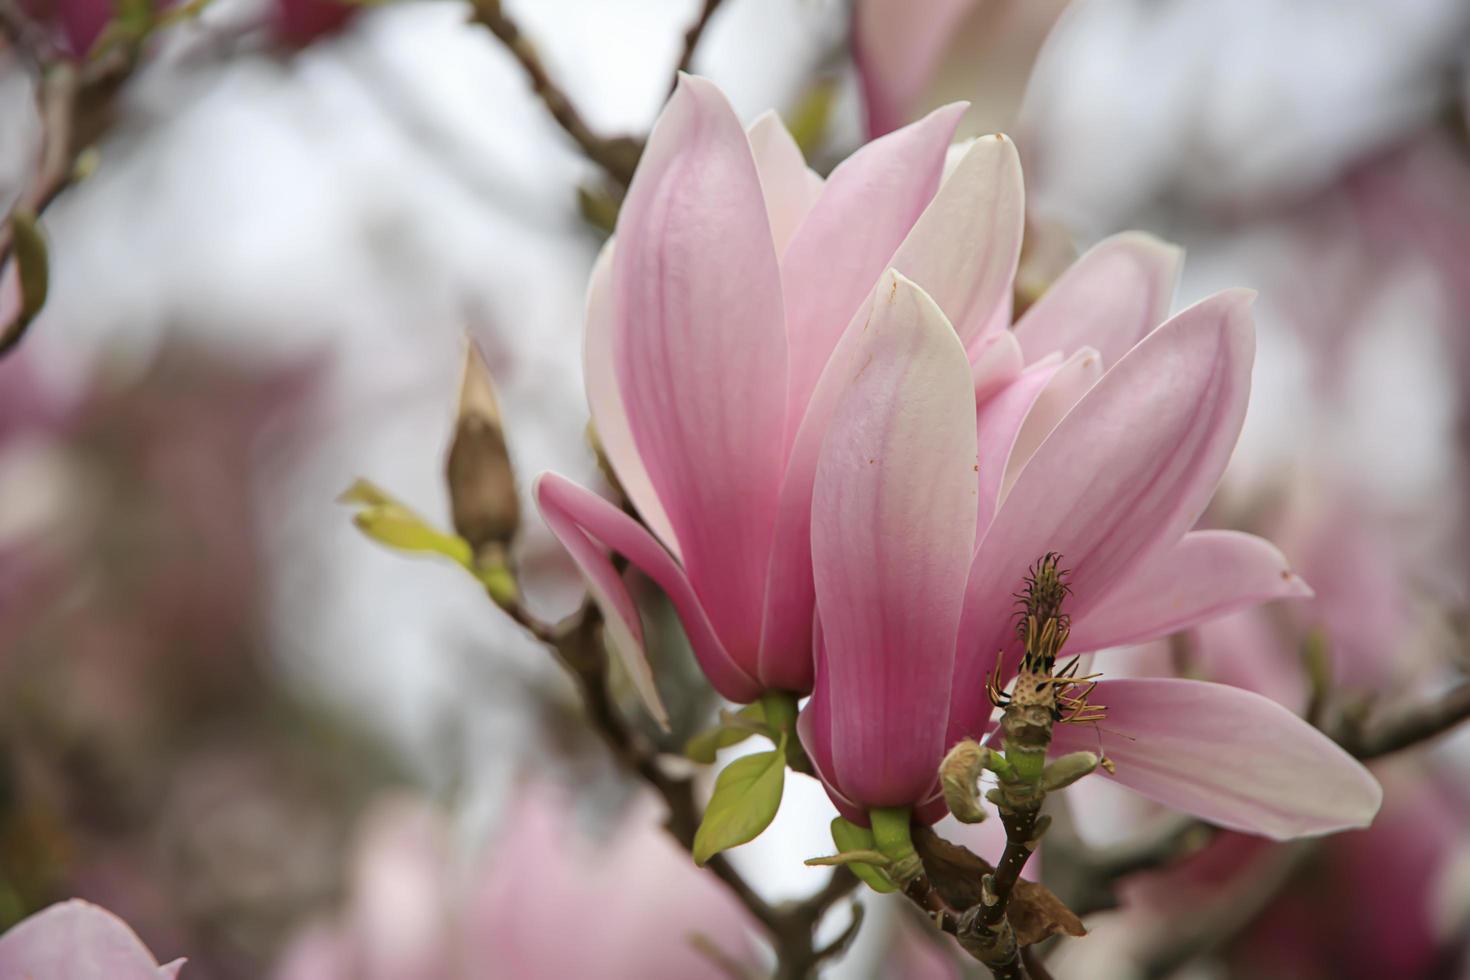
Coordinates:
279	749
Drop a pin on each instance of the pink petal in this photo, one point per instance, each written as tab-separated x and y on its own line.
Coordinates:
1118	481
998	420
893	519
866	209
606	404
1071	381
897	50
579	518
995	361
700	346
790	188
1207	574
1110	298
77	940
964	248
1227	755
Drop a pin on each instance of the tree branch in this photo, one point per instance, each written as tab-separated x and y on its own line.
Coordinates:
1407	726
617	156
692	38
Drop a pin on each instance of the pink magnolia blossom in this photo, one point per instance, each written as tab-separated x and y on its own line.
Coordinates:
711	317
913	616
546	901
297	23
79	23
77	940
907	53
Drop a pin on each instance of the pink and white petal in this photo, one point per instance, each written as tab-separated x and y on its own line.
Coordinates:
849	237
1118	482
995	361
814	728
998	420
1110	298
76	940
1229	756
700	343
897	50
785	180
964	248
1072	380
606	404
585	524
1205	575
893	512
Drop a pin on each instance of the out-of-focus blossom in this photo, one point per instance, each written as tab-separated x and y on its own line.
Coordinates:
733	274
897	47
912	56
546	901
297	23
77	940
1225	104
78	23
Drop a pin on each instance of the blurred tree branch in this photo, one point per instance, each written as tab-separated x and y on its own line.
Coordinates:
578	644
692	38
616	155
76	102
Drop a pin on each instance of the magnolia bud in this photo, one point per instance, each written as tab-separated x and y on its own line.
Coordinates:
482	490
959	776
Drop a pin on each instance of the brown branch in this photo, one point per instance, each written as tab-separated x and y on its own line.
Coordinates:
1406	727
617	156
577	642
692	38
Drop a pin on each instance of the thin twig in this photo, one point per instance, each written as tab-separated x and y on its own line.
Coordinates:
617	156
578	645
692	38
1408	726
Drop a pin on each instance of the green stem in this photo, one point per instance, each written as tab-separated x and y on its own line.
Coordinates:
778	709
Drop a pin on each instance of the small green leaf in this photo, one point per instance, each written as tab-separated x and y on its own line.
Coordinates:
389	522
849	837
703	746
32	264
746	798
847	857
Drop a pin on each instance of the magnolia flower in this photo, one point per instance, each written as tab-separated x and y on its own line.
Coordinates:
711	316
77	940
906	53
914	616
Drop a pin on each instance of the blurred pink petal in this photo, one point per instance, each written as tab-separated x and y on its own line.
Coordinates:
898	46
77	940
1230	756
893	522
1207	574
639	905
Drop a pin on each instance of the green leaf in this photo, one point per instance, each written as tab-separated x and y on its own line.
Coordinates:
747	796
850	837
389	522
32	265
703	746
